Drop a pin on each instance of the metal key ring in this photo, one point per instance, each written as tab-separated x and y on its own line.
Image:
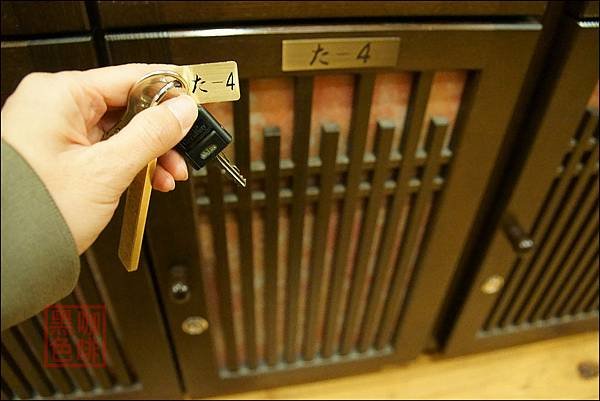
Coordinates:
139	99
163	92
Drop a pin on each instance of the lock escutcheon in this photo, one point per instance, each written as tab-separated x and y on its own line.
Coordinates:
179	286
194	325
521	242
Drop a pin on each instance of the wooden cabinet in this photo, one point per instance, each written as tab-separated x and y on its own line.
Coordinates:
385	205
539	274
137	362
20	57
40	17
125	14
308	273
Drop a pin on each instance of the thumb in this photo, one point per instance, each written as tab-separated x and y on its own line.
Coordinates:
151	133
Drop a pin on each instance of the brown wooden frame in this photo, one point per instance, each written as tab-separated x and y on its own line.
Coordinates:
122	14
20	57
568	86
142	365
20	18
499	52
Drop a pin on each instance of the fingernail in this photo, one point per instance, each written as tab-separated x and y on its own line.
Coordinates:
184	171
184	109
171	184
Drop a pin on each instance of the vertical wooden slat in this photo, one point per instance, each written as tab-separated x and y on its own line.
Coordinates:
32	334
564	243
409	248
80	377
578	261
568	269
550	293
562	233
217	223
303	90
5	393
591	294
272	140
328	153
579	290
384	134
363	94
241	121
15	381
593	306
514	291
408	147
574	294
582	289
99	373
28	366
89	295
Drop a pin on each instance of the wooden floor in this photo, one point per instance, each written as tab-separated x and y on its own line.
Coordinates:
546	370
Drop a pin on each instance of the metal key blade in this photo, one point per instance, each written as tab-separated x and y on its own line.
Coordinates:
231	170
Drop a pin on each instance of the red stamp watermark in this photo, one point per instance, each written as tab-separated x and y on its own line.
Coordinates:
75	336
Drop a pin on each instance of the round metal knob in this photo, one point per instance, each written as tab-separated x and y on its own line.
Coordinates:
194	325
493	284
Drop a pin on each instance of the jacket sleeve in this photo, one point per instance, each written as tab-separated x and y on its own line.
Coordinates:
40	264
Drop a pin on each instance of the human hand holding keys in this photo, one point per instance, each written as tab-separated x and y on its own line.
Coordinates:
203	143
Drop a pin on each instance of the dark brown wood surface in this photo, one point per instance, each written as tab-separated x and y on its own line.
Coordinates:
583	9
244	216
455	191
272	149
137	365
328	154
21	18
444	192
356	148
303	94
20	58
569	85
121	14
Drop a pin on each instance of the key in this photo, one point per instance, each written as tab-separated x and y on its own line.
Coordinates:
212	82
205	141
148	91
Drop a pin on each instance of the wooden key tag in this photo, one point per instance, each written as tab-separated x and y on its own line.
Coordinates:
206	83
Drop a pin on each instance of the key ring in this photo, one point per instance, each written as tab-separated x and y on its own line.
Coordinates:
148	91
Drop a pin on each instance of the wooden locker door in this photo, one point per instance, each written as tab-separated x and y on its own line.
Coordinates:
523	293
20	18
21	57
360	188
139	359
137	362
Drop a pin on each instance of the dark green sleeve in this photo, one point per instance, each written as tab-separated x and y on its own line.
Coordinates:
40	264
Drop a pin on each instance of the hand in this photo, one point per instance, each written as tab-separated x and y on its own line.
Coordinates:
55	121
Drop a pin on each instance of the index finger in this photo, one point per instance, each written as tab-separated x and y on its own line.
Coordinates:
114	82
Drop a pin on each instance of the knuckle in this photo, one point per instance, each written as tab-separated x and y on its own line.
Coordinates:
34	78
52	84
32	81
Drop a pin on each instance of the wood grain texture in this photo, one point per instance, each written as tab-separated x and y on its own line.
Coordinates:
545	370
118	14
21	57
134	217
42	17
475	47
